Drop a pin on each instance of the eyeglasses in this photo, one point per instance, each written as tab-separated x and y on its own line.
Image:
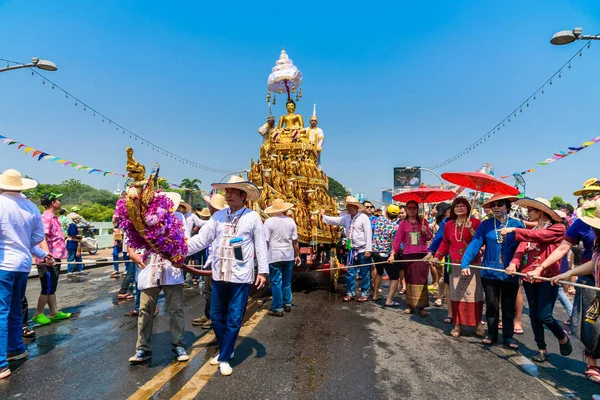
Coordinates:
497	204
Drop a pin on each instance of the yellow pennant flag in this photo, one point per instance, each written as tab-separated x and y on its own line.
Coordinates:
28	149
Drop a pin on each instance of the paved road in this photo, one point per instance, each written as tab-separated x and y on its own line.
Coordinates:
323	349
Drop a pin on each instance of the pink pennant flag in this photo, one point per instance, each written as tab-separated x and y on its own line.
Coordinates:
8	140
596	139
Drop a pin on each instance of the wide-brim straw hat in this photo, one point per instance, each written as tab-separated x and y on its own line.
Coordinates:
216	201
353	201
540	204
187	206
590	213
237	182
590	186
174	197
278	206
204	213
498	197
12	180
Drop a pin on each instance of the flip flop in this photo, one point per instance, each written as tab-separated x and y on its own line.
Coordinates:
592	373
448	320
518	331
394	304
512	344
401	292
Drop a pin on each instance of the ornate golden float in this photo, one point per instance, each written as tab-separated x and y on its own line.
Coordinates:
289	162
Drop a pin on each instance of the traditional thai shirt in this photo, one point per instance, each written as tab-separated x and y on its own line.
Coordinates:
54	235
455	240
384	231
581	232
219	230
499	250
536	245
158	272
412	237
281	232
358	230
21	230
191	221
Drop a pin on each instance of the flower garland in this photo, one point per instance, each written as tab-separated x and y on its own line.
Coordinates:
164	231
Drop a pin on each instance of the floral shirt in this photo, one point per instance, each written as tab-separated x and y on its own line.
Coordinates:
384	231
54	235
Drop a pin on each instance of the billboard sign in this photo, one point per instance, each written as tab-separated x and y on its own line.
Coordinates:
407	177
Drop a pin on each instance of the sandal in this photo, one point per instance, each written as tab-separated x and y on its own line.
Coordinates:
592	372
518	331
448	320
500	325
511	344
423	313
401	292
437	303
362	299
408	311
567	322
489	341
540	357
394	304
347	298
28	333
455	332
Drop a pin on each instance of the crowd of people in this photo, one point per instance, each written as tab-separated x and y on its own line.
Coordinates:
474	264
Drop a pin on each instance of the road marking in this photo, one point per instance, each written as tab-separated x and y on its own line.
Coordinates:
197	382
164	376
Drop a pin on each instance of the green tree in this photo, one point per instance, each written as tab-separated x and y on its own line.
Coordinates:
556	201
192	188
337	190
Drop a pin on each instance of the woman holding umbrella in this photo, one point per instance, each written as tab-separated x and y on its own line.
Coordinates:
466	291
499	251
535	246
414	233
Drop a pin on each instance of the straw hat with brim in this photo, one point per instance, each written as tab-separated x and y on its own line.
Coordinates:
216	201
204	213
187	206
561	213
237	182
539	204
278	206
590	213
353	201
12	180
590	186
174	197
498	197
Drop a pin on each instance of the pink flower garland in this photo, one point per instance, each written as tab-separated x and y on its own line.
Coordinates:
163	229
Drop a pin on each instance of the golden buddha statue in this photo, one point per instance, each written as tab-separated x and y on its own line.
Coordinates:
291	121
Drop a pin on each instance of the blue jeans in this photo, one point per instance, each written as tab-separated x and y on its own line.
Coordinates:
227	308
365	275
12	290
116	251
280	274
138	292
73	258
129	278
541	298
565	301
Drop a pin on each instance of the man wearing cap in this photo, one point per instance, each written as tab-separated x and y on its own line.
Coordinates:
237	235
384	231
358	241
49	274
214	203
281	233
21	233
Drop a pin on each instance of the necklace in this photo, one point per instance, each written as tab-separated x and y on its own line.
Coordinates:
504	224
458	230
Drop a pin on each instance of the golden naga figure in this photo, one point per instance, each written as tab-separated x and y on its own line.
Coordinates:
139	194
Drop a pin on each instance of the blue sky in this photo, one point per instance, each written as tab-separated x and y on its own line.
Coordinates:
396	84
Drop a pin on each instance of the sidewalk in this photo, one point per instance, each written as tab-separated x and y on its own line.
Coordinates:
101	259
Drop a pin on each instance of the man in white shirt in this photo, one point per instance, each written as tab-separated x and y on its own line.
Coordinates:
281	233
358	243
236	234
21	232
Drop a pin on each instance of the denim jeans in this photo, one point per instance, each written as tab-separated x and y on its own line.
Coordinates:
565	301
12	291
138	292
227	308
365	275
280	274
73	258
129	278
116	251
541	298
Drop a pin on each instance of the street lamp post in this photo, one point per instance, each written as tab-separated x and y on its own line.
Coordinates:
566	37
429	170
234	172
35	62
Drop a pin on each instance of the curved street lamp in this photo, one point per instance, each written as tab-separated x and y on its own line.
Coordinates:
35	62
566	37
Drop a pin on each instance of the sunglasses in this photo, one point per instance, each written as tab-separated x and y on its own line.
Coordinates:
370	207
587	196
497	204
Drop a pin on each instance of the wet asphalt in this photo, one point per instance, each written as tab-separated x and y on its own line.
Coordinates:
323	349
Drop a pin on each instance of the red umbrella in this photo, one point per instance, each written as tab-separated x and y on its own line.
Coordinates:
424	194
480	182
